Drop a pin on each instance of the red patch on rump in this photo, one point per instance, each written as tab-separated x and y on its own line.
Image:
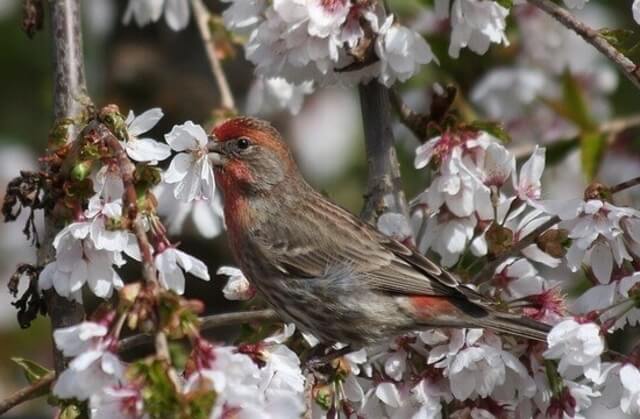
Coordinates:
428	306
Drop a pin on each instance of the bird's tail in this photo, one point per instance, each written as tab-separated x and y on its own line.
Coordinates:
517	325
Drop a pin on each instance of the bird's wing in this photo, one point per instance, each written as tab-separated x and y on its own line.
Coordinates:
331	236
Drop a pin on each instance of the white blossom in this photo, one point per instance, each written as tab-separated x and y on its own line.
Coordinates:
176	12
630	379
206	216
476	24
79	262
527	184
243	15
190	169
145	149
117	402
577	346
519	278
635	9
505	93
95	365
272	391
238	286
395	225
596	233
401	52
310	40
171	263
478	366
273	94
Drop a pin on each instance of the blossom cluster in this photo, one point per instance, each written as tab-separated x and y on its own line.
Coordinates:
94	243
262	380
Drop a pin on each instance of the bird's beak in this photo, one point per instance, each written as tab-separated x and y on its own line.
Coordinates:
216	154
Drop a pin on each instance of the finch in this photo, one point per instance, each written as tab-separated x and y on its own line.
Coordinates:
320	266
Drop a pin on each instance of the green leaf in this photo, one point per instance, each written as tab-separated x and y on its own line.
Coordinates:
624	40
32	370
71	412
507	4
619	38
494	128
575	105
592	147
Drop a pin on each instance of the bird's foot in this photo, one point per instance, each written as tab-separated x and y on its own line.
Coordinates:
319	357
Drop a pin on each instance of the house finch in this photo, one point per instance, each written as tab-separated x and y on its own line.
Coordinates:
321	267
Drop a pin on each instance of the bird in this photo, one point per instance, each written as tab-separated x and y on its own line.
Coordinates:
321	267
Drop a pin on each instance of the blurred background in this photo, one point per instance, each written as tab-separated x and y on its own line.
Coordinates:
141	68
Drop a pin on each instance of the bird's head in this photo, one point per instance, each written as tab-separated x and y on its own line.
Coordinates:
249	156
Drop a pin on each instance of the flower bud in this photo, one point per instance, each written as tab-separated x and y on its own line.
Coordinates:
554	242
597	190
81	170
499	239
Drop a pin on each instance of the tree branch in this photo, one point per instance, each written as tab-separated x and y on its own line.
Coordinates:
612	128
628	67
69	100
207	322
203	18
486	273
384	185
488	270
148	267
26	393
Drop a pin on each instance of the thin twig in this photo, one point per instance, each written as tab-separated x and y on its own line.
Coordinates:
26	393
416	122
148	267
207	323
69	100
384	185
203	18
562	15
625	185
612	127
487	272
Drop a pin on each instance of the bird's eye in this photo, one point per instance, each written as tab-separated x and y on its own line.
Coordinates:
243	143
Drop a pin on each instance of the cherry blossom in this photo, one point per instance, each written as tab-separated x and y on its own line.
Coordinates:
302	41
95	364
401	52
145	149
176	12
577	346
121	401
171	263
635	8
476	24
190	169
477	365
238	286
207	217
271	391
243	15
630	379
519	278
77	262
595	228
395	225
505	93
527	184
273	94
